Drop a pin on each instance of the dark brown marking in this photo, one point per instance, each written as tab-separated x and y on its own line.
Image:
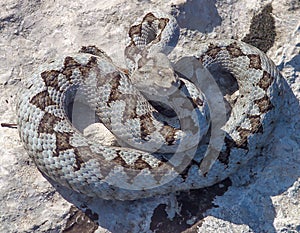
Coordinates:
256	126
69	65
197	101
85	69
229	144
50	78
108	77
150	18
135	30
62	142
146	125
70	62
266	81
234	50
92	49
168	133
47	123
132	170
42	100
244	133
264	104
163	23
120	161
212	51
255	61
115	94
243	144
78	160
141	164
130	108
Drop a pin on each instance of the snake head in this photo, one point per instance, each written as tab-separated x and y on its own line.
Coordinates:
158	32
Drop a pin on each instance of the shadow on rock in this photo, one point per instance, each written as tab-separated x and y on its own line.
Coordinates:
201	15
248	201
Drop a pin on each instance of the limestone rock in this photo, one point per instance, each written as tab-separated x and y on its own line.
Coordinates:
262	197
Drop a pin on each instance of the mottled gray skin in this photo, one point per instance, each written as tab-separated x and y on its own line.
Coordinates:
155	157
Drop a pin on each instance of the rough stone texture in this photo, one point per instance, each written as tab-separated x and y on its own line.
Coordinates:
262	197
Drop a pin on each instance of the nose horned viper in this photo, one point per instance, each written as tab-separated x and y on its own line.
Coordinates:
161	134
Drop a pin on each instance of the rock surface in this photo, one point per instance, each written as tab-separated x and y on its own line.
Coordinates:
262	197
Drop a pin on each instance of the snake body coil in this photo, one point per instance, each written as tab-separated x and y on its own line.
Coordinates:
157	156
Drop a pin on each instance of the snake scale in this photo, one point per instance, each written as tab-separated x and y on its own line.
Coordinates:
161	147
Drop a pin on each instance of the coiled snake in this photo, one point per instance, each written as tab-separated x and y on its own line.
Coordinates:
163	141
